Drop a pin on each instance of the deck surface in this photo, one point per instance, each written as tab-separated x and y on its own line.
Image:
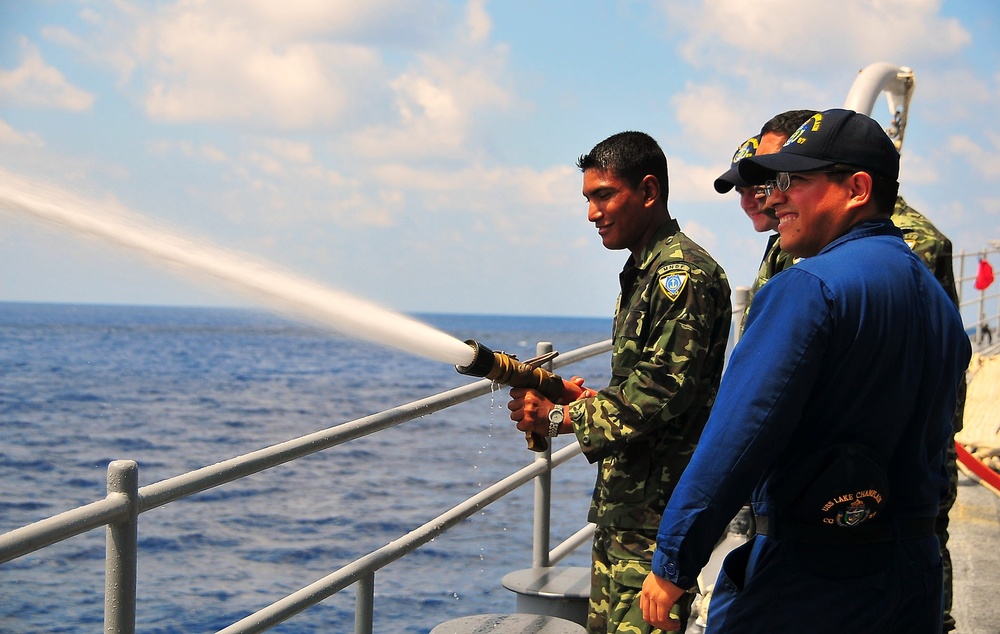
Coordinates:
974	544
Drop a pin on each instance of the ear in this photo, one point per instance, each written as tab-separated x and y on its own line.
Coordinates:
650	188
860	189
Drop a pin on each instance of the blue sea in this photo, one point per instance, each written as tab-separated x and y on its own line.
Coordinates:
176	389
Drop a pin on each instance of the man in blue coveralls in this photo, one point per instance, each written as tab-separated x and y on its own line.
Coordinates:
833	415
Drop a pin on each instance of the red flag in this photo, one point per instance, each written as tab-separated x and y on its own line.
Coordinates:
985	276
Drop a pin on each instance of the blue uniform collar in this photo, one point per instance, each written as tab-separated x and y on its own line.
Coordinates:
881	226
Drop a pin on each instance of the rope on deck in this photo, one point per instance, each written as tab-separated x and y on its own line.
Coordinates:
978	443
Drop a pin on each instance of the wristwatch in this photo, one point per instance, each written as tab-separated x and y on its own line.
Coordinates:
556	416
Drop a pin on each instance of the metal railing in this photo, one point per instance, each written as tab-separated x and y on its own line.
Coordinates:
125	501
980	308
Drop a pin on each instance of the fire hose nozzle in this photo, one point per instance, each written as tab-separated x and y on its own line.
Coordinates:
507	370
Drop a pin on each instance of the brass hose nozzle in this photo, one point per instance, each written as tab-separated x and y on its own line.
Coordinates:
506	370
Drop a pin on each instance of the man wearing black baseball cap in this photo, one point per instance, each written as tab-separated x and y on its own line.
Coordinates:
833	415
832	145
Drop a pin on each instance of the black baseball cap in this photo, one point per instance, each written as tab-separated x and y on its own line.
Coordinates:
827	138
732	176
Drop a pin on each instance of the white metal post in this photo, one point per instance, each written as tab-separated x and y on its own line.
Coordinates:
364	604
122	551
543	491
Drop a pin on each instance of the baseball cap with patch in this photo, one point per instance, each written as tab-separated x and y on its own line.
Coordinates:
827	138
732	176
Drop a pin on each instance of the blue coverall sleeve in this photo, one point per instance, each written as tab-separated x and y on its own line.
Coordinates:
759	405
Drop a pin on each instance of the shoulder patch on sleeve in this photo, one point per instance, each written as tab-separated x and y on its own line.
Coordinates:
672	283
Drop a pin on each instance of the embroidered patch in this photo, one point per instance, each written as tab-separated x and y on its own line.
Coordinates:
673	284
800	136
676	266
749	148
911	243
852	509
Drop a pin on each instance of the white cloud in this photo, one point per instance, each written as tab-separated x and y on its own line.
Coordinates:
443	94
769	56
404	79
956	94
214	154
689	183
237	78
701	234
797	34
436	106
10	136
287	65
914	168
712	117
984	161
478	20
36	84
294	151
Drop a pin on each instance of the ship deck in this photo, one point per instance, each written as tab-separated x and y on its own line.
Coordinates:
974	543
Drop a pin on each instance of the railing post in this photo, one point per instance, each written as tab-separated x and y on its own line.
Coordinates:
364	604
543	493
122	552
960	278
741	295
981	319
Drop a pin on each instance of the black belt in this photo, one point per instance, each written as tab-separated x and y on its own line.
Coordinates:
882	530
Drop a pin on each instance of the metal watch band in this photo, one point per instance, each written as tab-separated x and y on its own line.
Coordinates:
555	422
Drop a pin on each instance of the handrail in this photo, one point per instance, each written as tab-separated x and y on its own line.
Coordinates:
981	311
119	510
370	563
28	539
211	476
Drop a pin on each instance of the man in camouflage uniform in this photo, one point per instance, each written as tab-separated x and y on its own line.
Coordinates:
773	135
670	332
934	249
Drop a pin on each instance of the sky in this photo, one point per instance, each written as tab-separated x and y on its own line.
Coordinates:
420	154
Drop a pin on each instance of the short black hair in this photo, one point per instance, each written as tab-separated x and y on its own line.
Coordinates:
884	189
787	122
629	155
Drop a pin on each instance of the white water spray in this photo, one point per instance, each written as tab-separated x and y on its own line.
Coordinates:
284	292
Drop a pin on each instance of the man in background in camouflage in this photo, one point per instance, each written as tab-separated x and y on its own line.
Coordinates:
934	249
670	332
772	136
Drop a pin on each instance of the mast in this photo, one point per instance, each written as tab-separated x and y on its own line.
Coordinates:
897	82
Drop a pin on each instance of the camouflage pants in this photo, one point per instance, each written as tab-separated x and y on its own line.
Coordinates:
942	533
621	561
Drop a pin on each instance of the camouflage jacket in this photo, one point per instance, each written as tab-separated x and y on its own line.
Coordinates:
670	333
775	261
930	245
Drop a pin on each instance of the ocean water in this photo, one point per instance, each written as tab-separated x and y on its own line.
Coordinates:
176	389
